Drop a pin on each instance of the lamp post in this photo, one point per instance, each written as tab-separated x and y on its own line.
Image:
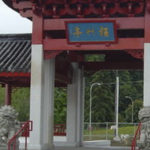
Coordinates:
132	105
117	138
90	112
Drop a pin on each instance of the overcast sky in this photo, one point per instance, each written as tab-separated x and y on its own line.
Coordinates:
12	22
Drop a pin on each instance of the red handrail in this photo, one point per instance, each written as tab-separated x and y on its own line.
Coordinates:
26	127
133	146
59	130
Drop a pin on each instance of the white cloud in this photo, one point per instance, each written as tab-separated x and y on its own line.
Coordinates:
12	22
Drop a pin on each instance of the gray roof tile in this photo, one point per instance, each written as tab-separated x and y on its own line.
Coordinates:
15	53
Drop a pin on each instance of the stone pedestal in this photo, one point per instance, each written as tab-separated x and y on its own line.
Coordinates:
144	116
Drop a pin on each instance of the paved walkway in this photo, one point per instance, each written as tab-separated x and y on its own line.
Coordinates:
90	148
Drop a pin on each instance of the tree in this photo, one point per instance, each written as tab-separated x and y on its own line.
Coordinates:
102	97
20	101
2	95
138	104
60	106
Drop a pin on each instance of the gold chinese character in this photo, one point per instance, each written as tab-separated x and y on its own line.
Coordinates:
77	32
89	31
104	31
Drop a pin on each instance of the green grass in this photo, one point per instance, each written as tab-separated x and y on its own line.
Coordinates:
100	134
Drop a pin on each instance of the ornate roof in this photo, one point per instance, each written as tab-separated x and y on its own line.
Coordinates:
79	8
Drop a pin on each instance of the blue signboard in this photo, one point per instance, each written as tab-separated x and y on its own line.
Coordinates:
89	32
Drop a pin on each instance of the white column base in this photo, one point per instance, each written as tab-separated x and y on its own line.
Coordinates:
40	147
66	144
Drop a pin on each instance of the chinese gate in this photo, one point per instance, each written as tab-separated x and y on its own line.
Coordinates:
64	31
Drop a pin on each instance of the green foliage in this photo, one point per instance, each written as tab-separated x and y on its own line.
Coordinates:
137	105
95	57
2	95
20	101
103	97
122	130
60	106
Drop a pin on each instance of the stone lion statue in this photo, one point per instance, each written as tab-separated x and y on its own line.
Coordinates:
144	116
9	124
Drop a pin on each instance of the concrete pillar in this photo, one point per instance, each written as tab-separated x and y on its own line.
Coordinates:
75	108
48	114
144	114
80	107
36	97
41	100
8	90
147	74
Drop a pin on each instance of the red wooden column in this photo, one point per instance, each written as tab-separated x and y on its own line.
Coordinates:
8	91
147	22
37	33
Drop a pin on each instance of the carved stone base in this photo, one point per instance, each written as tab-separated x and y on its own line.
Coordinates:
144	116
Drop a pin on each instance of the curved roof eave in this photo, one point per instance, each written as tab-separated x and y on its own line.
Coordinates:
9	4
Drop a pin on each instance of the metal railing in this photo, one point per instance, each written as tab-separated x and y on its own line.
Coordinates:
59	130
25	129
137	133
104	131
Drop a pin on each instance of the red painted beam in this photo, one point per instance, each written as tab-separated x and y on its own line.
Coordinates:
51	54
122	23
16	81
123	44
14	74
8	91
147	22
95	66
75	57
